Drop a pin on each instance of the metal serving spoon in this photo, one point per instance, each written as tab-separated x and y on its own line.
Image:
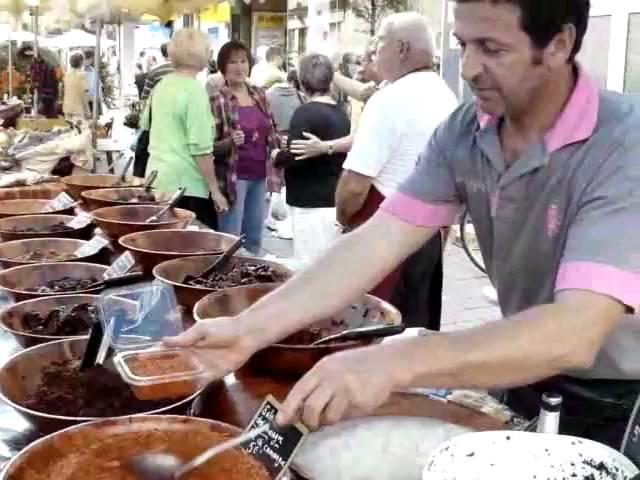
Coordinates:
164	466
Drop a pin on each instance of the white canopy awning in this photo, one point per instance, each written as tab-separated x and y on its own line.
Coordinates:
76	39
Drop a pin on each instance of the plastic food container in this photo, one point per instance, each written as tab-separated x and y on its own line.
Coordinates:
136	319
160	373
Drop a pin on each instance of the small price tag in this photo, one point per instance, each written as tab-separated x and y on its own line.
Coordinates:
275	448
121	265
92	246
61	202
80	221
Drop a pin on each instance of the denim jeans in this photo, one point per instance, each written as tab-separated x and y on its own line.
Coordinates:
246	215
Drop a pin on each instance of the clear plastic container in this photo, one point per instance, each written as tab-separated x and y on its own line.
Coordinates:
136	319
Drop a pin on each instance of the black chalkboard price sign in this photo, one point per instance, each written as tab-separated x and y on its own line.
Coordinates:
276	447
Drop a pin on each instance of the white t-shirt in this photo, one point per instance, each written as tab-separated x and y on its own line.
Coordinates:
395	126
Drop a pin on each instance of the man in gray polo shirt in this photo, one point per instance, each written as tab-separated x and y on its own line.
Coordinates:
550	170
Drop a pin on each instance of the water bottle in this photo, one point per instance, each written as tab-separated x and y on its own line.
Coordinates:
549	418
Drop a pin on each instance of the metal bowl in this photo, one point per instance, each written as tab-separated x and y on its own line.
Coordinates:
59	449
173	272
118	197
76	184
117	222
153	247
21	375
41	221
293	360
15	280
14	208
10	251
11	316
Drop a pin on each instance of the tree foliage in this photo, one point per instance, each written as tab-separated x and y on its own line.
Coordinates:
373	11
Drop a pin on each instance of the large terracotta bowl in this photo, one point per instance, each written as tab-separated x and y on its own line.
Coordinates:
50	456
118	197
294	360
9	224
15	280
10	252
153	247
21	375
76	184
173	273
11	317
14	208
117	222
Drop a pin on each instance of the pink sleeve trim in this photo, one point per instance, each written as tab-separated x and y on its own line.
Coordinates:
600	278
416	212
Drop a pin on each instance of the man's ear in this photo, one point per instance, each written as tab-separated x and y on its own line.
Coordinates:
559	50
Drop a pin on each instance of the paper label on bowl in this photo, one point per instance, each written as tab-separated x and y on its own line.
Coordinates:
275	448
92	246
61	202
121	265
82	220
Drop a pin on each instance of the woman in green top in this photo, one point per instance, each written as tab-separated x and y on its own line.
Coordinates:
182	130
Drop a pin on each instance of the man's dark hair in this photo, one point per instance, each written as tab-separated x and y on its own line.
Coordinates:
228	49
272	53
77	60
164	49
315	74
542	20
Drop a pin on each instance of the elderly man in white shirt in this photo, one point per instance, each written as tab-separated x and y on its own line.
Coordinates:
396	124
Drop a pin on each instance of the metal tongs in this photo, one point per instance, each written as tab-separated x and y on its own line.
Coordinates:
151	178
172	203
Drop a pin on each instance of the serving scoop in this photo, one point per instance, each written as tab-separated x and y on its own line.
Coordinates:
164	466
172	203
362	333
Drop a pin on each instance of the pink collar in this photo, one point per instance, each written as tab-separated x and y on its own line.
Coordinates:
578	120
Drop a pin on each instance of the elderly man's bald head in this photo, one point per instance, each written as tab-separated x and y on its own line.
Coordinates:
406	44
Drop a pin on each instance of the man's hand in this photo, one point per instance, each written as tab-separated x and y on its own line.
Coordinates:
351	383
310	148
219	344
220	202
238	137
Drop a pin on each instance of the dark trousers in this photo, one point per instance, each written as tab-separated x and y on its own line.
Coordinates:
595	409
418	291
203	208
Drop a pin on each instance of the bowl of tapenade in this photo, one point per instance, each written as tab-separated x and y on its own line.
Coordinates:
45	384
99	450
76	184
182	275
116	222
45	250
117	197
43	226
47	319
46	279
14	208
294	356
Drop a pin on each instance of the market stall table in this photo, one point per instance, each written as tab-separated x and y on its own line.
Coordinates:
235	401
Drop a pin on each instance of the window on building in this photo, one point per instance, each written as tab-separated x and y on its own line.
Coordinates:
302	40
632	73
291	40
594	55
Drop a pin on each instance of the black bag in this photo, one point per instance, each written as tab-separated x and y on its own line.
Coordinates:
142	149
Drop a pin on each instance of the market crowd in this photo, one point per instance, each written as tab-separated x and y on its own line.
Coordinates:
377	158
